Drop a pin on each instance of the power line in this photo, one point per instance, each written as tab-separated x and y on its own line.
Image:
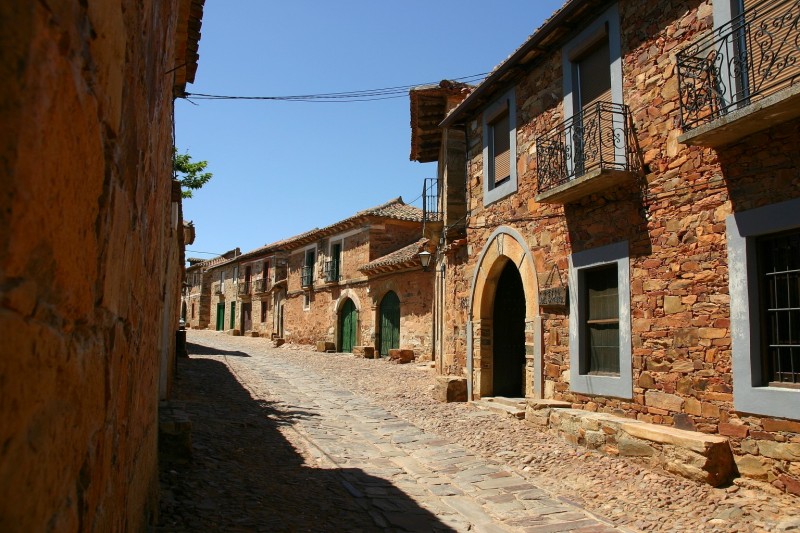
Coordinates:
364	95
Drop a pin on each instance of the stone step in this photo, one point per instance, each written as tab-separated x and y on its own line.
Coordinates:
507	406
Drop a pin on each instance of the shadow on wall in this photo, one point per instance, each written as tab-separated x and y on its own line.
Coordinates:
246	476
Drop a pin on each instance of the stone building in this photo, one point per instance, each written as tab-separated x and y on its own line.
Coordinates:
355	283
196	301
90	255
626	239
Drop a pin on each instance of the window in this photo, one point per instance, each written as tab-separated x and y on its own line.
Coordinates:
601	355
263	311
222	280
593	62
265	271
307	300
599	321
779	308
764	284
307	274
500	148
332	264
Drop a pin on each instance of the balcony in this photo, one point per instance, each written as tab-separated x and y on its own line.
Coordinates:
743	77
587	153
263	285
244	288
432	220
219	289
331	271
307	276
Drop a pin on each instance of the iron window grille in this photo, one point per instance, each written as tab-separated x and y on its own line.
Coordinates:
754	55
307	276
602	320
597	138
331	270
779	284
244	288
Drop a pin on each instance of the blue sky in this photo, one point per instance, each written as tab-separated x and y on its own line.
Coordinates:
282	168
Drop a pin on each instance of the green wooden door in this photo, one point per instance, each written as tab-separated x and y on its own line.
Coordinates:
233	315
220	316
390	322
348	322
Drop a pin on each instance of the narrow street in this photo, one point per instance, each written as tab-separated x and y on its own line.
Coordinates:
292	440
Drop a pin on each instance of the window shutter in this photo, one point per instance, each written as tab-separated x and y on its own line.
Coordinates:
594	73
501	148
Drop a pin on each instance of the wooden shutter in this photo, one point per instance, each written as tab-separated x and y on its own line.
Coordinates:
773	55
501	148
594	86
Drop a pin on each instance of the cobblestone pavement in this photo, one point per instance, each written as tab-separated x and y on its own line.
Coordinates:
291	440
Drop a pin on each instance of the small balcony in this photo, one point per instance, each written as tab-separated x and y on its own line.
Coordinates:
307	276
263	285
244	288
587	153
331	271
219	289
432	220
743	77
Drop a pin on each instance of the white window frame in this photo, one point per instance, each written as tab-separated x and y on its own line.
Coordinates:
616	386
506	102
743	228
306	300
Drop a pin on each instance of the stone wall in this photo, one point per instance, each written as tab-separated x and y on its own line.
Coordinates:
88	231
673	217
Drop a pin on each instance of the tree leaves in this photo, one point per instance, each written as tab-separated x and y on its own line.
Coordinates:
190	173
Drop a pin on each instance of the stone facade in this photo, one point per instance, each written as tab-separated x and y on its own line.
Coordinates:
91	257
361	259
667	222
196	301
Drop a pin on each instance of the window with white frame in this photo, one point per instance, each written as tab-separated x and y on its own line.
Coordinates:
500	148
307	300
764	283
599	321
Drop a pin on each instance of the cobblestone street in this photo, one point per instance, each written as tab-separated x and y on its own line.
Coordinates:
286	439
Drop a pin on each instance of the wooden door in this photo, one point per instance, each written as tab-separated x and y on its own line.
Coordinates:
348	322
508	335
220	316
247	317
389	323
233	315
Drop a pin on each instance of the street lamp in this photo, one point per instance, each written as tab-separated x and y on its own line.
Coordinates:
425	259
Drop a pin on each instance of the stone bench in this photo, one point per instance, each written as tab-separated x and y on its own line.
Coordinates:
326	346
401	355
450	389
694	455
367	352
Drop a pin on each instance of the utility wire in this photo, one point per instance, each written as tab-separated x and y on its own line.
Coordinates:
365	95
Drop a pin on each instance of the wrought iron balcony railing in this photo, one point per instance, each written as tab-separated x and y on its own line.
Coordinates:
244	288
430	200
753	56
307	276
331	270
263	285
598	138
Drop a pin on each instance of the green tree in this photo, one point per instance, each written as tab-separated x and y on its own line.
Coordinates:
189	173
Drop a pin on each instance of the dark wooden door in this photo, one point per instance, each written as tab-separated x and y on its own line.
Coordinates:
509	334
220	316
233	315
390	323
348	322
247	317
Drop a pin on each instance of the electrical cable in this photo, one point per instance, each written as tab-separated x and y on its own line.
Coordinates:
364	95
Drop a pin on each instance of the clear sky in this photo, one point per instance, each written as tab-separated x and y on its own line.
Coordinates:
282	168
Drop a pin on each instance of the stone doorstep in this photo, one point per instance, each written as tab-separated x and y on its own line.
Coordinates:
694	455
488	404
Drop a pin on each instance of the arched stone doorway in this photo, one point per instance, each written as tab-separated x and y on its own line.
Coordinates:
504	292
348	326
508	334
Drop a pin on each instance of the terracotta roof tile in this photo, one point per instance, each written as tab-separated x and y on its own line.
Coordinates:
402	256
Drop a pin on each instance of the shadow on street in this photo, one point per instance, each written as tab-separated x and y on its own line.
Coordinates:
245	476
